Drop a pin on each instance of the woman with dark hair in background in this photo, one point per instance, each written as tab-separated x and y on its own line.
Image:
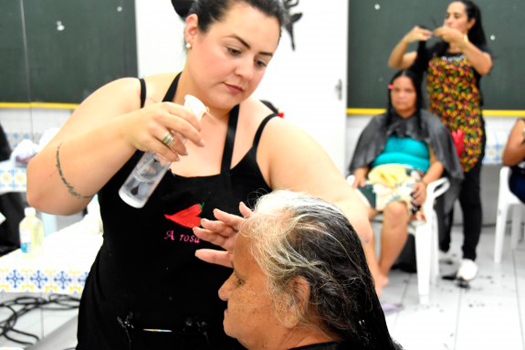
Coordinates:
411	148
146	289
301	281
454	67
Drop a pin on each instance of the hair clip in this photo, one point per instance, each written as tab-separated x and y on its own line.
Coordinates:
390	86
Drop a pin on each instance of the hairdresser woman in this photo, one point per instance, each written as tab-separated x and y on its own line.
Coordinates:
454	67
146	289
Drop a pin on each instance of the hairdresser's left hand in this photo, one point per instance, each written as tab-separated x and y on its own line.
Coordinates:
221	232
450	35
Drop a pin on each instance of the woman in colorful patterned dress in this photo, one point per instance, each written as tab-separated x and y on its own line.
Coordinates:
454	67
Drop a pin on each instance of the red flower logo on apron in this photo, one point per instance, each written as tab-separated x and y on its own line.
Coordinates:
188	217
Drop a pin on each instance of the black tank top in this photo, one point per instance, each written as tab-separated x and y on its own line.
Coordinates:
146	275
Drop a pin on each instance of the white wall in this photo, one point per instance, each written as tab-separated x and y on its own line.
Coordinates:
30	123
159	37
302	82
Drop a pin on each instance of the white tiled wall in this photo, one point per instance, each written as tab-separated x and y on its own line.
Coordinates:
19	124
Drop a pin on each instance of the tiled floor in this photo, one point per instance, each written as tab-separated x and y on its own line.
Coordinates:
489	315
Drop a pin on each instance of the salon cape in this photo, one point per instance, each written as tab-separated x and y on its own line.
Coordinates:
431	130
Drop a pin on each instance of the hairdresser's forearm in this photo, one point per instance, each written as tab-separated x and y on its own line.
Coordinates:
480	61
64	176
357	213
396	57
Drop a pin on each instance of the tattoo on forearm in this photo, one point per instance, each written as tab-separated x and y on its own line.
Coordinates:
70	188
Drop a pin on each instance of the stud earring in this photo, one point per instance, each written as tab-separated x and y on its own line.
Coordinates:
188	46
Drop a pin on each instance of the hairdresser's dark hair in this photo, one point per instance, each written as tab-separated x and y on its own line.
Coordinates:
211	11
476	34
298	236
416	83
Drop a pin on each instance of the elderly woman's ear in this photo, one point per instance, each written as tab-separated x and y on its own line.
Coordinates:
294	304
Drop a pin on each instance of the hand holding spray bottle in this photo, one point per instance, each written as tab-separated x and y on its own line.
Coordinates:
151	167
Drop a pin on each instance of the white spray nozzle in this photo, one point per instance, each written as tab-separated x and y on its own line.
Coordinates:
195	105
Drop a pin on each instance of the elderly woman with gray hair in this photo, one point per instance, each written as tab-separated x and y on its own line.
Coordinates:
300	279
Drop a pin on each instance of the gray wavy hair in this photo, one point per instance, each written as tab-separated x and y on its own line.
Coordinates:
294	235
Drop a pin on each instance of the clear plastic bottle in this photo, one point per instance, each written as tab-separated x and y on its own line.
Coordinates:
31	233
151	167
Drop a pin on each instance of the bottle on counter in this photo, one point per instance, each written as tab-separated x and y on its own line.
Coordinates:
31	233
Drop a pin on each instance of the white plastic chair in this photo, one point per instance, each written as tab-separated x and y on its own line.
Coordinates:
426	238
507	200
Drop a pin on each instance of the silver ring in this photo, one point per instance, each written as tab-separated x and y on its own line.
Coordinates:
168	139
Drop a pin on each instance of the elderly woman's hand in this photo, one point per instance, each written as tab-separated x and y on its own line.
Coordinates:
221	232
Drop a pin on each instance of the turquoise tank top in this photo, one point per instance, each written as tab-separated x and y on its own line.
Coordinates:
404	150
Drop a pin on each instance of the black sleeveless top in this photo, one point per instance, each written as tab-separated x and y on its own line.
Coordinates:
146	276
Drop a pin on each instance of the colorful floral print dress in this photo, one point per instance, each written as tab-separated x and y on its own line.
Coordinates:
454	95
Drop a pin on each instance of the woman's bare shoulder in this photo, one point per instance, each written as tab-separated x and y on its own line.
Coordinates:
257	107
279	131
158	84
120	95
123	94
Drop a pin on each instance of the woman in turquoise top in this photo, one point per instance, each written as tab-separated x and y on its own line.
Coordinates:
404	150
407	144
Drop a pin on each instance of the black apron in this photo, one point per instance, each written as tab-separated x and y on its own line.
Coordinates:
146	289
